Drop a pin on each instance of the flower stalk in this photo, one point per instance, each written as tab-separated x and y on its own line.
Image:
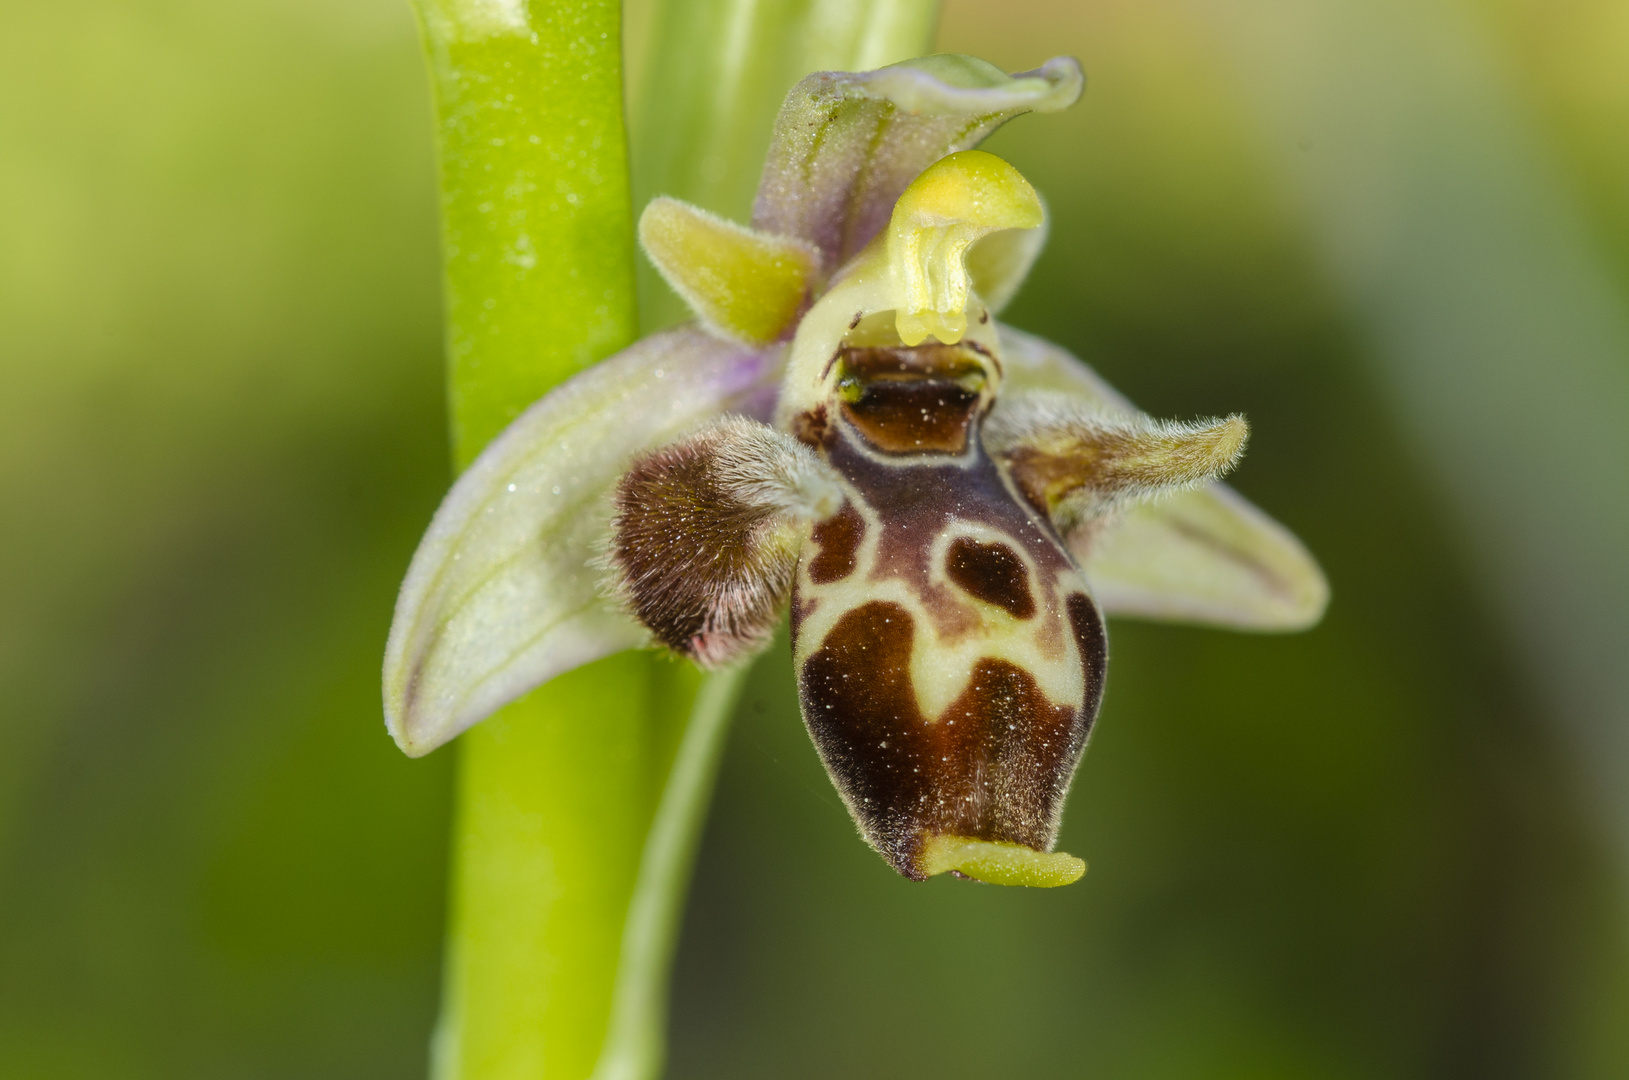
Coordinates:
556	796
537	224
579	805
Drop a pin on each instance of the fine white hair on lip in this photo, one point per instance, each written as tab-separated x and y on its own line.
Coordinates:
762	467
1113	456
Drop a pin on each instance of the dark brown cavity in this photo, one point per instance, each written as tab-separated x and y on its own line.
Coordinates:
993	573
839	538
924	417
995	766
920	400
933	361
682	546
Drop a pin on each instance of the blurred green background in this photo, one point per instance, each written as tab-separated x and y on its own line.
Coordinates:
1395	235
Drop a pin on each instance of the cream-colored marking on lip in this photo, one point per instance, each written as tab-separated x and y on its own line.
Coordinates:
1000	863
941	669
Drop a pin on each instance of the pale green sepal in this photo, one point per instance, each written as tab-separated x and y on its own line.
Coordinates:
1203	556
997	863
501	595
745	284
1206	556
847	144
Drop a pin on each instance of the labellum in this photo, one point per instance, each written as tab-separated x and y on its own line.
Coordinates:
947	506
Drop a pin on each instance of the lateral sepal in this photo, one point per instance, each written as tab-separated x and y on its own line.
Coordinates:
501	596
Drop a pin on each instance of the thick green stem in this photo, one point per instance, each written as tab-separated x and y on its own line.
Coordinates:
536	217
579	806
557	792
556	798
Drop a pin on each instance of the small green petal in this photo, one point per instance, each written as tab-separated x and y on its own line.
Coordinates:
745	284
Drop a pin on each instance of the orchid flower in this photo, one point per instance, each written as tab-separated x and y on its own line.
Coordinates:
947	505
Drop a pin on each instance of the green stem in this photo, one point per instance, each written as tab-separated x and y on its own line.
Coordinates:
536	219
556	798
557	792
579	807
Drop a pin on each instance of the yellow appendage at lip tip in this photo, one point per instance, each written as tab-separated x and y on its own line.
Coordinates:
955	201
999	863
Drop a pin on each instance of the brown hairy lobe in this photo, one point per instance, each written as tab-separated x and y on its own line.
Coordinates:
704	537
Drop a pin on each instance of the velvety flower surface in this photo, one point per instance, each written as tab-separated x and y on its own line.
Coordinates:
948	506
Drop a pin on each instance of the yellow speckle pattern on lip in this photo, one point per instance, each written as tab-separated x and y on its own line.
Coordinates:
1000	863
955	201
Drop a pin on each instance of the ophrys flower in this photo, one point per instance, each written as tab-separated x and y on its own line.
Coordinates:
947	505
